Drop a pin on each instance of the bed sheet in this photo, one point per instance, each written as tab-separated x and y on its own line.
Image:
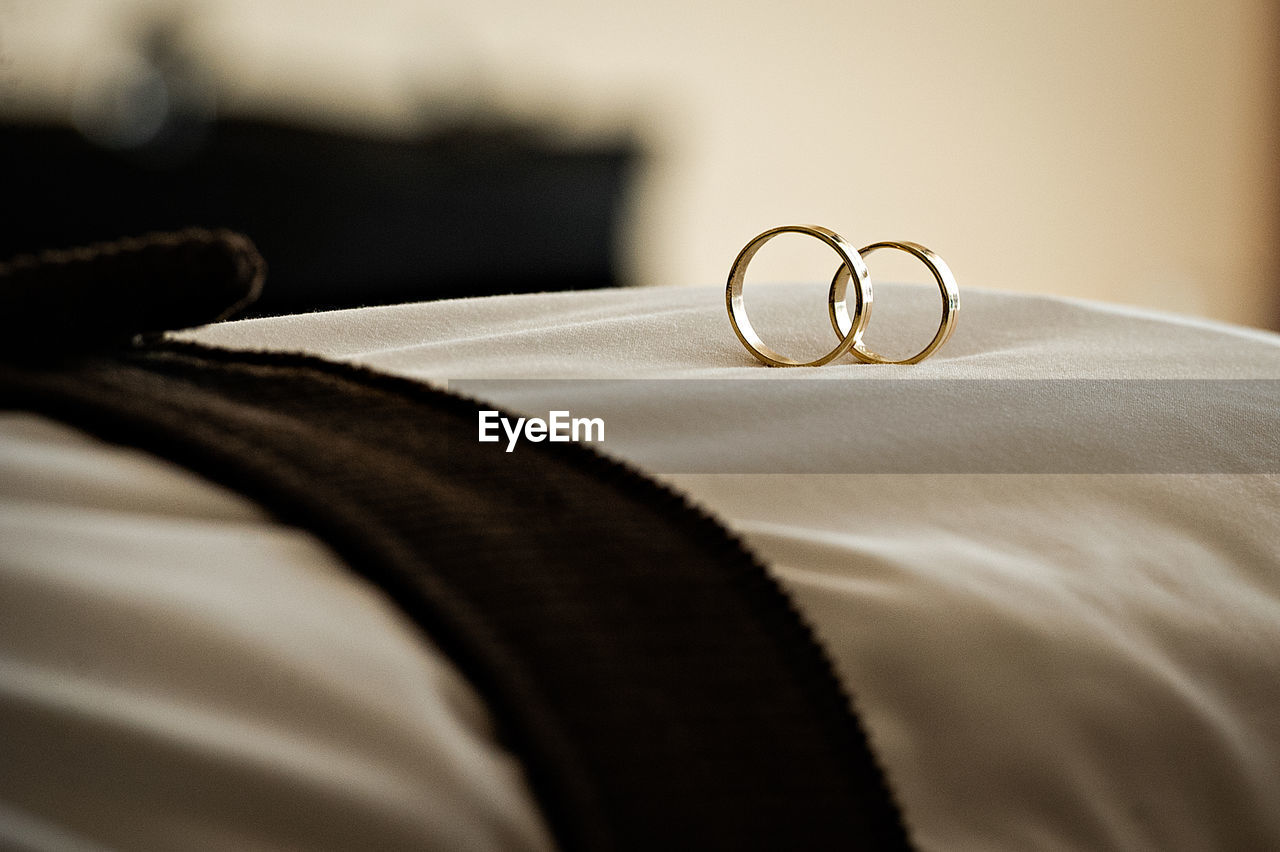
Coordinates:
1081	650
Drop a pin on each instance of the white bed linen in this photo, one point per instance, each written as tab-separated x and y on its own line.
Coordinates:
178	671
1044	660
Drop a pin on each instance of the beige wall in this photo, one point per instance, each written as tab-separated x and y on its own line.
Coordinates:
1110	150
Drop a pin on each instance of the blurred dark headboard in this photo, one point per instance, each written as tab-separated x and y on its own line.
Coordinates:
342	220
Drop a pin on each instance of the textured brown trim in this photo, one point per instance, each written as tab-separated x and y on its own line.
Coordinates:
66	300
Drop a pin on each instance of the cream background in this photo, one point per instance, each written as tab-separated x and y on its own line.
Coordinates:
1117	151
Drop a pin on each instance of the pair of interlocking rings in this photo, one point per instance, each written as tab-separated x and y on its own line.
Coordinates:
849	329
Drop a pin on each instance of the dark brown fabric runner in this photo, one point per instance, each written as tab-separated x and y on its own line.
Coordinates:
656	683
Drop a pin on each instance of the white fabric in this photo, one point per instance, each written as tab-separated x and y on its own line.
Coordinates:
177	671
1043	660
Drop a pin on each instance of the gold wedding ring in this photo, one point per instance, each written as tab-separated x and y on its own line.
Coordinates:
848	327
851	267
946	284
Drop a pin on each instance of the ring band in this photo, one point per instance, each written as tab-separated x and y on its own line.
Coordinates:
852	268
839	313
